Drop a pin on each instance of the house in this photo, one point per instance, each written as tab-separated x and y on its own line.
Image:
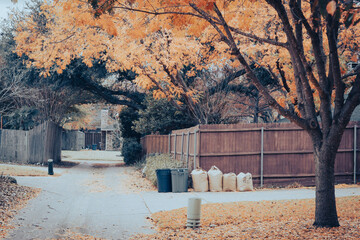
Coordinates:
100	126
110	139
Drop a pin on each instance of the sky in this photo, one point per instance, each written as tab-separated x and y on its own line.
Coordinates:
6	5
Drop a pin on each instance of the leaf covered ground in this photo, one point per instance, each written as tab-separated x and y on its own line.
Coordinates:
33	170
12	198
135	183
287	219
129	179
19	170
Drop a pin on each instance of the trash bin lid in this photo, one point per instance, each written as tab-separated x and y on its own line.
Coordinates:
179	169
163	170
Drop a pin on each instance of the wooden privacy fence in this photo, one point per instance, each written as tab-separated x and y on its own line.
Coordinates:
72	140
33	146
275	154
155	144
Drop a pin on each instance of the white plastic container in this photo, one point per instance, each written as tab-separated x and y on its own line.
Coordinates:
215	179
244	182
200	180
229	182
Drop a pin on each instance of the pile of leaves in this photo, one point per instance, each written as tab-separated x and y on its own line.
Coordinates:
70	235
287	219
159	161
135	183
12	198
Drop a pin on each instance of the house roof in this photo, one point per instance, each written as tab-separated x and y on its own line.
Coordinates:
107	123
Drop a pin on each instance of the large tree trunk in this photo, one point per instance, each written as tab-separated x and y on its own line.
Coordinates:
325	212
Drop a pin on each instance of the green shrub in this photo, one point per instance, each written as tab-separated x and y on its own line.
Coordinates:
131	151
159	161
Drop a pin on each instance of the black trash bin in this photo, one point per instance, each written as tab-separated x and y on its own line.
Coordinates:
163	180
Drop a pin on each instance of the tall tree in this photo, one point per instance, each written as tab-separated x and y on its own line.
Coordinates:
25	96
77	72
160	117
306	44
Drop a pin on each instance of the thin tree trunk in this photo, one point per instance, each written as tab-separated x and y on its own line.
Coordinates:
325	213
256	114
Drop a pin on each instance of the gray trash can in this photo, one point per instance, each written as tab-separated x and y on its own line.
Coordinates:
179	179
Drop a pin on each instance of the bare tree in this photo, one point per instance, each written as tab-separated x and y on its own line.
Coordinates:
12	90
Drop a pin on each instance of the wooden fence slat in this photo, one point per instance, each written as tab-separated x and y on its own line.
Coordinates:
262	158
284	154
34	146
187	149
355	151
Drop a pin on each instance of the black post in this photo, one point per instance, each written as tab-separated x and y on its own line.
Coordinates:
50	167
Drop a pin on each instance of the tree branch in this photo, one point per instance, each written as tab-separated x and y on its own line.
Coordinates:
299	62
108	94
318	54
282	74
352	101
339	85
224	83
156	13
271	101
354	72
263	40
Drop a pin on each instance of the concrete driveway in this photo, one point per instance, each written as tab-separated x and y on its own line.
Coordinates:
83	200
93	201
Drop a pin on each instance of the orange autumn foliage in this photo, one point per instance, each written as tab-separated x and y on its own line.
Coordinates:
125	40
132	35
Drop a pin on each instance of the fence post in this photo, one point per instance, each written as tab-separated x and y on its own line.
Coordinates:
188	148
169	143
175	146
355	152
262	158
199	146
195	142
182	146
